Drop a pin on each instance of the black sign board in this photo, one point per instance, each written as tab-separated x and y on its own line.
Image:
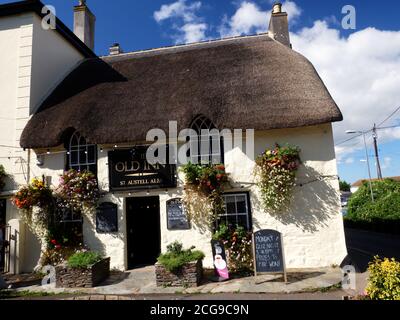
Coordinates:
129	170
268	252
176	215
107	218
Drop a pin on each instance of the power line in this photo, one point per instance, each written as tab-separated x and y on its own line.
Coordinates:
354	137
391	115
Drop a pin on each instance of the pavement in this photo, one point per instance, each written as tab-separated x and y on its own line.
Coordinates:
142	282
310	284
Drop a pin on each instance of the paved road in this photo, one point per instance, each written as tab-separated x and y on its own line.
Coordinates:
362	246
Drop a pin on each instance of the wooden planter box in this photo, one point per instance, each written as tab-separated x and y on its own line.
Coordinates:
189	276
82	278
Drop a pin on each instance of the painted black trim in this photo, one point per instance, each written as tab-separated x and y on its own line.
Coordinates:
36	6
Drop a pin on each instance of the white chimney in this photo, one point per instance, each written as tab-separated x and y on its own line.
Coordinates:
84	24
279	26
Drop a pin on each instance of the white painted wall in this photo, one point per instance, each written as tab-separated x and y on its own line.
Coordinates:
312	230
32	62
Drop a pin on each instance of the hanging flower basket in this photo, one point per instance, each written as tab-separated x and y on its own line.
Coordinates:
204	186
79	190
276	175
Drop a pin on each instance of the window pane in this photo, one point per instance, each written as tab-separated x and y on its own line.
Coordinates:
241	204
230	205
232	220
74	158
242	221
82	156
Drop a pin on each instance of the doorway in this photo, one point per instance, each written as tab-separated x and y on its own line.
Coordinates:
3	231
143	231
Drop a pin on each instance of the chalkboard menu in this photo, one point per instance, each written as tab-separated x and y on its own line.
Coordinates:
107	218
176	215
268	253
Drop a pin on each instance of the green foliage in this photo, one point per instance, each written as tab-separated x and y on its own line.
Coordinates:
84	259
237	242
176	257
384	279
344	186
276	174
3	176
386	205
204	187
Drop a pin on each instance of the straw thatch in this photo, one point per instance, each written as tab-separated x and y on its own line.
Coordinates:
244	83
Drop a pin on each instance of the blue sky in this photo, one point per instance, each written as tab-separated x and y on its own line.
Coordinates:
360	67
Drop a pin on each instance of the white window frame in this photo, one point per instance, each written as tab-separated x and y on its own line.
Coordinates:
247	214
199	125
72	149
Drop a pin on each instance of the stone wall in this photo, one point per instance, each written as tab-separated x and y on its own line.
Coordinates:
82	278
189	276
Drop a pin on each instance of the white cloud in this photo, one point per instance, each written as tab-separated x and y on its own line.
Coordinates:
178	9
362	72
387	161
349	161
249	18
193	32
189	25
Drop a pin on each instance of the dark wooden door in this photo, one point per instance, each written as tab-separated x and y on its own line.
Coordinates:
2	233
143	231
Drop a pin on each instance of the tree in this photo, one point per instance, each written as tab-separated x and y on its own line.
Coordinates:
344	186
386	204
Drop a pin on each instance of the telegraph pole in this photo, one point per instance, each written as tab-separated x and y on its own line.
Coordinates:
378	165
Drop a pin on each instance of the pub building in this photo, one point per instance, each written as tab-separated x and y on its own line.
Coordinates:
99	112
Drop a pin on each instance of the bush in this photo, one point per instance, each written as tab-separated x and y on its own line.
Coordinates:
176	257
344	186
237	242
384	279
386	205
84	260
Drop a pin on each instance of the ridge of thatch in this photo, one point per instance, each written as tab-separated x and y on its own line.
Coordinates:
241	83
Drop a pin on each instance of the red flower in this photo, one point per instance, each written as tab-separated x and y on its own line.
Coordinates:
53	242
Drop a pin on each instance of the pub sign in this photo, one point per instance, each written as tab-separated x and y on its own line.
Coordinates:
129	170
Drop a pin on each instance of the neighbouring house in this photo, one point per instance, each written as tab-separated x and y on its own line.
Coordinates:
64	107
356	185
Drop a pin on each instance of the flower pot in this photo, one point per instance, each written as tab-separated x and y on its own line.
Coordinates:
67	277
189	275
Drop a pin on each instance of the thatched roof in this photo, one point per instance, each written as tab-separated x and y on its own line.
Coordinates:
240	83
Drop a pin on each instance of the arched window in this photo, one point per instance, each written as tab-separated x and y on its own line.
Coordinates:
81	156
207	146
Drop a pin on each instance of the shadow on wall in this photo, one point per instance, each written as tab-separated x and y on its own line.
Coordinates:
96	241
314	204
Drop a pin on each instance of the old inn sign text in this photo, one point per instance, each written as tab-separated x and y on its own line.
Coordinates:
129	170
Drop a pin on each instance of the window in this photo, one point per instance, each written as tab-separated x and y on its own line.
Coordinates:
81	156
237	210
207	146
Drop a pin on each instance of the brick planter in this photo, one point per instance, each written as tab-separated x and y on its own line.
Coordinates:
189	276
82	278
